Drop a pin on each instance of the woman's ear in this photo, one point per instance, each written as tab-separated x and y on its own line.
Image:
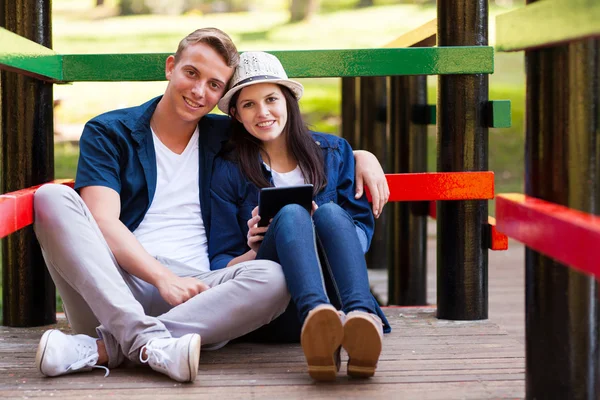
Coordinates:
234	114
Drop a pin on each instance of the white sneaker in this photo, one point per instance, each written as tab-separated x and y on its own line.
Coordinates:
60	354
176	358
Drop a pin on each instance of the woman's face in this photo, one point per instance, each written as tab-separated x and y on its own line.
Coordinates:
261	108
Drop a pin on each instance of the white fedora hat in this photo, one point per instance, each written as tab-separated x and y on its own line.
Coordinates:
258	67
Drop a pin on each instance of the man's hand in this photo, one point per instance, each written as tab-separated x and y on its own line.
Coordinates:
176	290
369	172
255	234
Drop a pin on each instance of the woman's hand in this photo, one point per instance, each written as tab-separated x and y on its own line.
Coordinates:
314	208
369	171
255	233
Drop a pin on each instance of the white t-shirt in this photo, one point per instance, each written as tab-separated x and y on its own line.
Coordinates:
291	178
173	226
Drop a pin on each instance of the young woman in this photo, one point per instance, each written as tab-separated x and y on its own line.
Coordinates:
322	255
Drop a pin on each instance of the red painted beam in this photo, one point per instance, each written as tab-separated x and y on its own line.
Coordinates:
16	208
440	186
569	236
498	240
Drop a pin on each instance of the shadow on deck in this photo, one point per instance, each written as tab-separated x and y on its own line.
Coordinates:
423	358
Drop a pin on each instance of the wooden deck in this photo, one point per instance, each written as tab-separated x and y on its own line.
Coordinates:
423	358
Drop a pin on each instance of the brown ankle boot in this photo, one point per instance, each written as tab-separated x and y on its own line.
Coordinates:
363	337
321	339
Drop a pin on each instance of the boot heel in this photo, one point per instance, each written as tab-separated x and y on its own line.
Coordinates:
321	338
363	342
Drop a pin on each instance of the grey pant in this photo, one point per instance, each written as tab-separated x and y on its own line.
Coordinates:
101	298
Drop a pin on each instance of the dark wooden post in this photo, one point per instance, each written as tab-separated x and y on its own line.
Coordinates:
364	125
462	255
350	111
407	283
374	137
26	159
562	165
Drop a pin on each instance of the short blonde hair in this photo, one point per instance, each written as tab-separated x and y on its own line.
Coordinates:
216	39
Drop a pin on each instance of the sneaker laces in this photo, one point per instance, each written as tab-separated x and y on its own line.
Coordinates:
88	357
159	355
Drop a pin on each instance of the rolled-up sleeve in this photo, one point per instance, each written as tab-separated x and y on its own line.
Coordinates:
99	158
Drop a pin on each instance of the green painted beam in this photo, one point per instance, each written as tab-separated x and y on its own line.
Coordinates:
431	114
27	57
298	64
499	114
114	67
547	23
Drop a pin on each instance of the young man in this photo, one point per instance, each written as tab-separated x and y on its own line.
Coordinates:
128	254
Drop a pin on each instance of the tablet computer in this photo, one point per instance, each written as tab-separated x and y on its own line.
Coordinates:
273	199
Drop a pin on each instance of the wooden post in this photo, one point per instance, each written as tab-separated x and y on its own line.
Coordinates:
562	153
407	283
375	138
462	254
26	159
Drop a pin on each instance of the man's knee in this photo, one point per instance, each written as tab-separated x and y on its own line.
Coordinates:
271	275
51	204
50	195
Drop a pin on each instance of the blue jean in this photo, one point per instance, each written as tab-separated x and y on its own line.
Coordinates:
323	262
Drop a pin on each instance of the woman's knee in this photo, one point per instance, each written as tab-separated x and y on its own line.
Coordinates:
330	214
293	214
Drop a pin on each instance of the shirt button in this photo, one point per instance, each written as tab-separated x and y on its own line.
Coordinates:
317	142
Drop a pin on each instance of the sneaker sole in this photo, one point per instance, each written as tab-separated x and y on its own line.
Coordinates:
194	356
363	345
41	350
320	338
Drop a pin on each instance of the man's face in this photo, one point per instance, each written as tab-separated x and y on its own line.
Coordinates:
196	82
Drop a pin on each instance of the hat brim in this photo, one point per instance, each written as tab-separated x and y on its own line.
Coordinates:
296	88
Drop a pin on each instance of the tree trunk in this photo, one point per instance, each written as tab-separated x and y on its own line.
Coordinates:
365	3
301	10
99	3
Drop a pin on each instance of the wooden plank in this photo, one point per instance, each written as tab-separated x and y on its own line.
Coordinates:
298	64
403	187
422	36
478	361
440	186
547	23
499	114
18	54
498	240
571	237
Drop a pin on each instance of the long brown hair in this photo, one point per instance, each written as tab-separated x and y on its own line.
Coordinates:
245	148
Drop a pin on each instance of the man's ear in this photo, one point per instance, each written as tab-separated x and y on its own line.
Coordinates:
169	67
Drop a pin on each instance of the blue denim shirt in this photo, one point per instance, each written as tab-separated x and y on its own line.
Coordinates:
117	151
233	198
